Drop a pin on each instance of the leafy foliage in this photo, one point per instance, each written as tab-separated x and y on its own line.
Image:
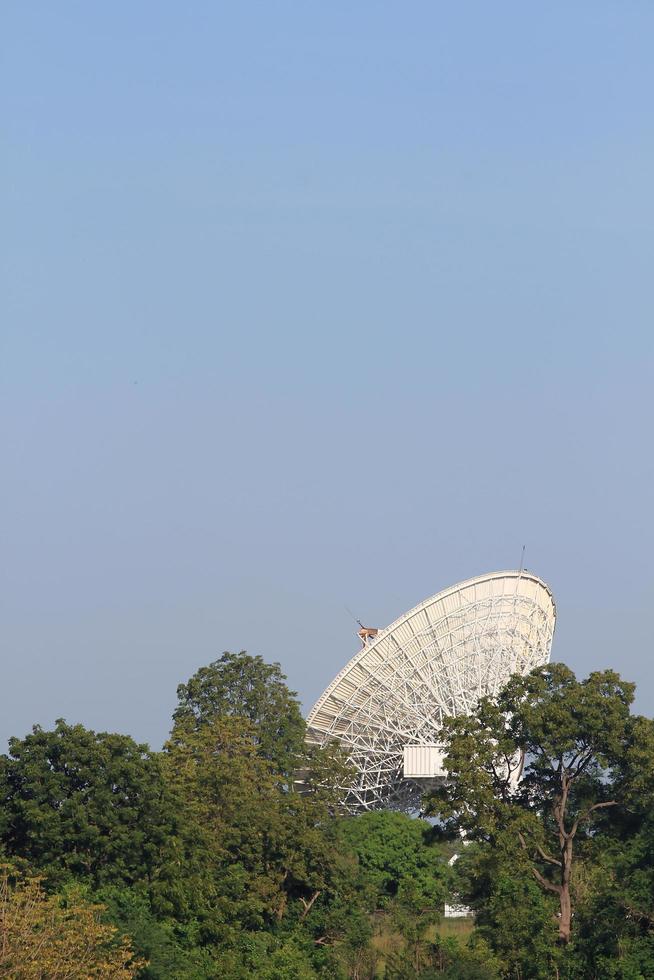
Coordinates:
227	854
566	741
86	806
512	912
267	851
445	959
43	936
246	687
398	861
169	946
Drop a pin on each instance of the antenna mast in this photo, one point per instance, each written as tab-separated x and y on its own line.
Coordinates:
522	559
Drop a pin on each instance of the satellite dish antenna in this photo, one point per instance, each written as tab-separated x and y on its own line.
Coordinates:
387	705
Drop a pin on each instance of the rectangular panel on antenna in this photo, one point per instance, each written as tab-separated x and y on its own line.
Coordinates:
424	761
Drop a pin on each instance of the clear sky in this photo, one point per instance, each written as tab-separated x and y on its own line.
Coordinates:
315	305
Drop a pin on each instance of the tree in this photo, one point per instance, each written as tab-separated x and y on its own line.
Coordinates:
614	921
512	912
402	879
398	861
94	807
543	761
264	853
240	685
230	802
166	943
261	852
42	936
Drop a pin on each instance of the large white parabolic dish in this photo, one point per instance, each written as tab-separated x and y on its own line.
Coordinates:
436	660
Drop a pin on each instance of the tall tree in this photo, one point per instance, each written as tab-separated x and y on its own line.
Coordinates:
544	760
240	685
614	921
263	851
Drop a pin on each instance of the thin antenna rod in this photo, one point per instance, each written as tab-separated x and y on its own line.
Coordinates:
347	609
522	559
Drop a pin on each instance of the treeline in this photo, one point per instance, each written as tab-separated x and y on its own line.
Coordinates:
205	861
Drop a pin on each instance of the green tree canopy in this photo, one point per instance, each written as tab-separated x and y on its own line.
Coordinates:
93	806
614	921
263	851
228	854
398	860
512	912
567	742
247	687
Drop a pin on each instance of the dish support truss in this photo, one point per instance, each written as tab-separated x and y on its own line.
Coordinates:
435	661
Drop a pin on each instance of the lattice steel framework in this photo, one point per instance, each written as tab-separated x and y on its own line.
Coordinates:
436	660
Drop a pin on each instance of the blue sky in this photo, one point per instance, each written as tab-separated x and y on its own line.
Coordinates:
309	306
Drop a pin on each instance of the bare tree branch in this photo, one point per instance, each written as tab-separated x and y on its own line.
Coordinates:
548	885
584	816
307	905
539	849
547	857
